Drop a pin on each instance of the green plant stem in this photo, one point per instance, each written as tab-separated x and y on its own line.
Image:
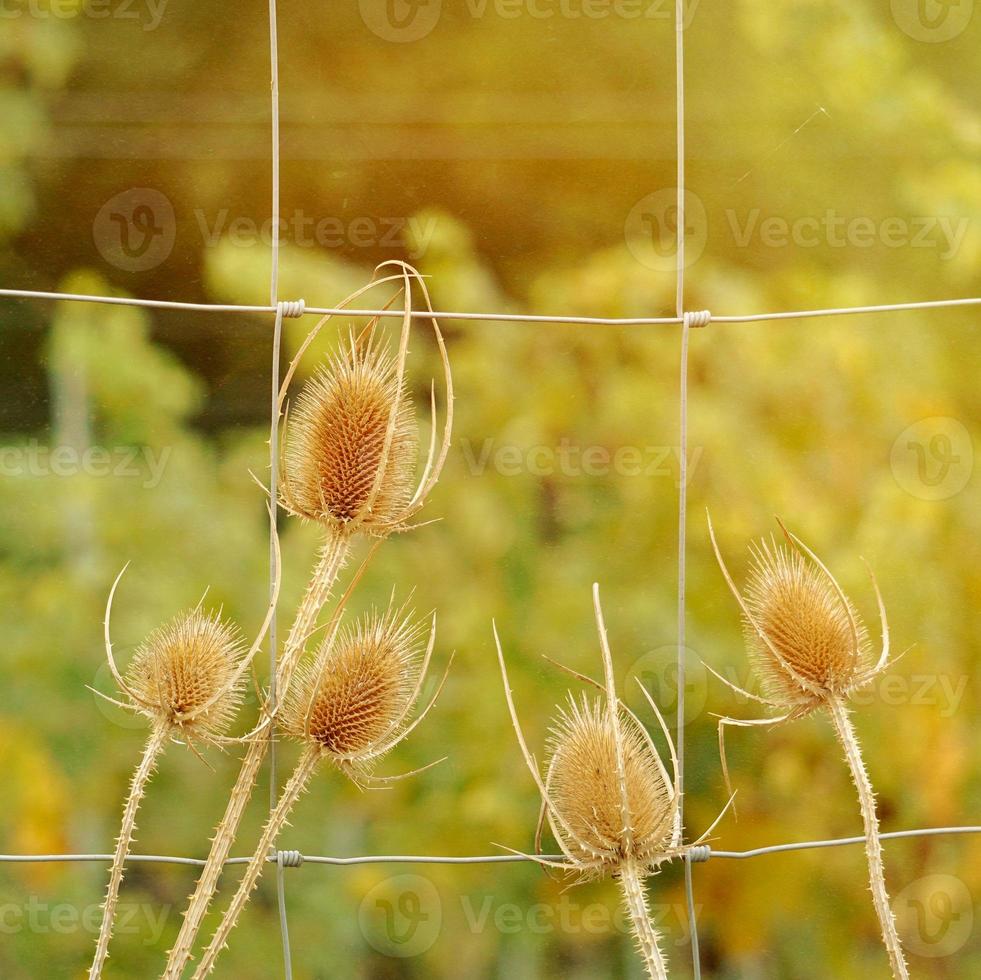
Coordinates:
644	933
333	556
127	828
291	793
873	847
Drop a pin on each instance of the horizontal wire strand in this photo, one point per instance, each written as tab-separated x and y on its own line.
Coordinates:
298	859
495	317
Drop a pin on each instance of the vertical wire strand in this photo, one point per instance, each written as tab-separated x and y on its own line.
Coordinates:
283	921
274	456
679	17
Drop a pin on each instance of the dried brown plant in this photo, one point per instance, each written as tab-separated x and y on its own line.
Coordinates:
337	469
811	650
187	679
606	795
348	706
348	458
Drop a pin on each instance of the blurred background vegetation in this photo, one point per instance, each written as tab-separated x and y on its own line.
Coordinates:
523	161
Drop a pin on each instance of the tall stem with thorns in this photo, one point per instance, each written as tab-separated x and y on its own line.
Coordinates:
350	707
812	651
873	846
645	935
187	679
349	469
333	557
127	829
606	795
294	789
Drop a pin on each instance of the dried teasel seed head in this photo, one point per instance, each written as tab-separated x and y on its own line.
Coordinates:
814	628
356	692
583	785
184	674
337	470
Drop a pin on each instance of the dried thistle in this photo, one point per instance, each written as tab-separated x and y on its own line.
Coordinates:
607	796
187	679
812	651
348	459
351	445
348	706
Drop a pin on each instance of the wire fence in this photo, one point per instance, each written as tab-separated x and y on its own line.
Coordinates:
687	320
295	859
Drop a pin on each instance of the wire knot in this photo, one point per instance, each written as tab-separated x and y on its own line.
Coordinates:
699	854
697	318
292	307
289	859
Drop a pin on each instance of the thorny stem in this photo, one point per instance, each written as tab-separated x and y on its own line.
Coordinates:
332	560
291	793
127	828
645	935
873	848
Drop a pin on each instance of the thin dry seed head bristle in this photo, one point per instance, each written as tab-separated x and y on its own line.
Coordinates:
357	688
583	785
803	616
335	443
182	666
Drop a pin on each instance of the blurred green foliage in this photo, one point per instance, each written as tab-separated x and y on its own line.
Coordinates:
504	156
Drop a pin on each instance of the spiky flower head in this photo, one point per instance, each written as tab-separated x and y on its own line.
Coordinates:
352	442
352	699
583	784
798	622
186	675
